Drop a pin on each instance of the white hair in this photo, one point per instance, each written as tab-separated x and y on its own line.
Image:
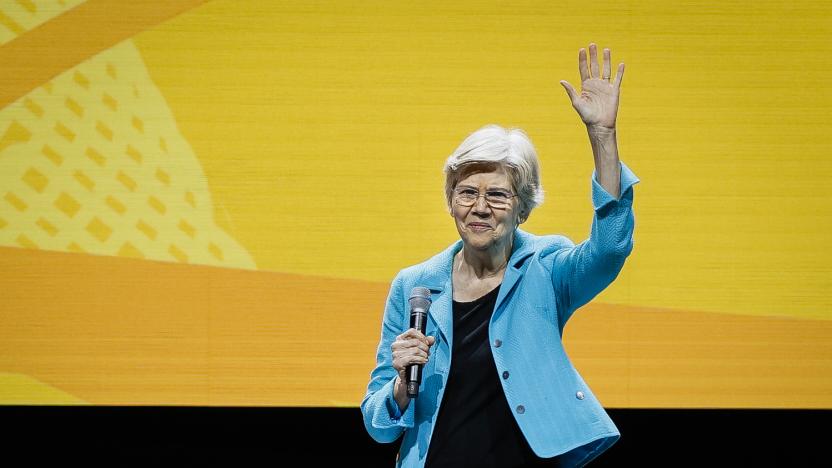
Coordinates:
510	148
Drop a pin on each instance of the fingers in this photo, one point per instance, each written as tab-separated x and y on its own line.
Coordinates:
408	344
411	347
582	65
570	91
401	361
592	69
593	61
620	75
414	334
404	356
605	73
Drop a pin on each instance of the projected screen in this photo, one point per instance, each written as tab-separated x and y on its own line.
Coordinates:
204	203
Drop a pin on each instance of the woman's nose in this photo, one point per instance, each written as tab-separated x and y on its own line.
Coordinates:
480	206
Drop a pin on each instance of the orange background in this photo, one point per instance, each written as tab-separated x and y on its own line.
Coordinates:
203	203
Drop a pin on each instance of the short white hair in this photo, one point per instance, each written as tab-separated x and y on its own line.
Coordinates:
494	145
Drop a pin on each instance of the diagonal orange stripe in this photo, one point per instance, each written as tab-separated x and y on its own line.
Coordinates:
37	56
112	330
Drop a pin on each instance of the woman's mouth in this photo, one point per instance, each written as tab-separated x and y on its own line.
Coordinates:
479	227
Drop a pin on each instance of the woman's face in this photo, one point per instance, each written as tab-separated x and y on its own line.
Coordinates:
481	226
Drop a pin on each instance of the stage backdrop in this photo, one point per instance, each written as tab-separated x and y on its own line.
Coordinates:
204	203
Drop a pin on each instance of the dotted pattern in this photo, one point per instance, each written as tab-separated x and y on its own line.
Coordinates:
19	16
93	162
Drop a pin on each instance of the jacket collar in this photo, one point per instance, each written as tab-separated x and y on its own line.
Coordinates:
437	278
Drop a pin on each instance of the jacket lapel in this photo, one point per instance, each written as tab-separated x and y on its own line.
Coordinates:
521	250
437	278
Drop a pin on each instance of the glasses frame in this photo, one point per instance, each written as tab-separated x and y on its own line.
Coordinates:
473	202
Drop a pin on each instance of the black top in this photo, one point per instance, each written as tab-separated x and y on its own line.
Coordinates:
475	427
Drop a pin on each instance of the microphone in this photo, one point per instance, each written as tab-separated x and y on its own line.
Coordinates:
419	305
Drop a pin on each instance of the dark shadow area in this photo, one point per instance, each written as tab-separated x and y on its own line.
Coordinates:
186	436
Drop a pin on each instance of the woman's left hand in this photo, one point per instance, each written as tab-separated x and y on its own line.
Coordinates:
597	103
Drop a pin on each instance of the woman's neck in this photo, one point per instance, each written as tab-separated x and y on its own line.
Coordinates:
483	263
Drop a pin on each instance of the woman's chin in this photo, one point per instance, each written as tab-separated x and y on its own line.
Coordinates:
478	242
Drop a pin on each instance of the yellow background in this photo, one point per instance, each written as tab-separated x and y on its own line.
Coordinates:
311	138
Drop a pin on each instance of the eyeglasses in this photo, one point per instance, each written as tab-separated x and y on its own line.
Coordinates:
495	198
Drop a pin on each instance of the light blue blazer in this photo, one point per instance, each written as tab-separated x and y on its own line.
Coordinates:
546	279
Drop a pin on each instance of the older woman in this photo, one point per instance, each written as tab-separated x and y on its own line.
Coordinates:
498	389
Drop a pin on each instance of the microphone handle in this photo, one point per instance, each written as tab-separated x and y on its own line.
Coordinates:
414	378
418	319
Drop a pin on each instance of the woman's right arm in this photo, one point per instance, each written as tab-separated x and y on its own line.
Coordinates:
385	406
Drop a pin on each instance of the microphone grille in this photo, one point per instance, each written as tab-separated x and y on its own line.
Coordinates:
420	297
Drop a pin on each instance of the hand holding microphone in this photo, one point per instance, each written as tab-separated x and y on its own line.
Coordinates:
411	350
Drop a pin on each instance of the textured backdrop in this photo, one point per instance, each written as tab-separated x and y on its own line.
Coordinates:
204	202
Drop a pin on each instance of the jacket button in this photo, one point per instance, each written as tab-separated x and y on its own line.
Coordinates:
579	395
521	409
505	375
497	343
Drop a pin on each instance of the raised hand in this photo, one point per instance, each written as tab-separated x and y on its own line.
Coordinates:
597	103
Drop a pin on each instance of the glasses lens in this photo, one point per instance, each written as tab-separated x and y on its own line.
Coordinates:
494	198
466	196
497	198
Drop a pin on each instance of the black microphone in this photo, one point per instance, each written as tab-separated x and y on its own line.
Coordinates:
419	305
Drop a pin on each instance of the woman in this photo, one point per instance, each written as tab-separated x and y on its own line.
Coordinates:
497	387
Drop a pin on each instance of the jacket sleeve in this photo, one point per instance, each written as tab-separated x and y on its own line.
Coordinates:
382	418
580	272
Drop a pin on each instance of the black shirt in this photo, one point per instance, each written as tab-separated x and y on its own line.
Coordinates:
475	427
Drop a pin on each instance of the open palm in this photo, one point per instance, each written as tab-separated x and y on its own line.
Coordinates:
597	103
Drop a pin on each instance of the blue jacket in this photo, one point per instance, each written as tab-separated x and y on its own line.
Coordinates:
546	280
